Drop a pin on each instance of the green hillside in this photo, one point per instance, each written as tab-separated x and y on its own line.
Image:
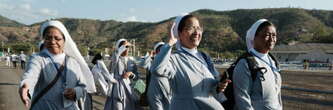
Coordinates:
224	31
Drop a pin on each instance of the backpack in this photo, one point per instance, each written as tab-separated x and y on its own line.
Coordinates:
254	69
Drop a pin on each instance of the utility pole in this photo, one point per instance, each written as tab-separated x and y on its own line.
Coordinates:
133	47
88	49
2	46
32	50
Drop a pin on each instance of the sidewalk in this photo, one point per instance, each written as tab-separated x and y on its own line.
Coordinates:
9	81
9	97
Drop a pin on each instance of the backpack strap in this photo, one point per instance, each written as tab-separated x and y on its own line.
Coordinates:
209	62
254	66
275	60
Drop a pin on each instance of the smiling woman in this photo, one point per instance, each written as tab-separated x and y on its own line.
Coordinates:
190	32
192	75
54	40
58	75
265	37
264	91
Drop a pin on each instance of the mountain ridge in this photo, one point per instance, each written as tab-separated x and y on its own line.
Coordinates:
224	31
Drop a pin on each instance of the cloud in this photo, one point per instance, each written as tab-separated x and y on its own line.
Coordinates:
25	6
47	12
6	6
132	10
134	19
25	12
131	18
62	1
27	0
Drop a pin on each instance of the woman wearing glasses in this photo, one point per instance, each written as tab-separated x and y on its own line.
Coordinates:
59	75
192	76
263	92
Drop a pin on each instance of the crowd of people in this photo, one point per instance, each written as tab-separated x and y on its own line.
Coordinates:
178	75
13	60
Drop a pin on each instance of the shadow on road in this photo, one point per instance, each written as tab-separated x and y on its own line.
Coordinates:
8	84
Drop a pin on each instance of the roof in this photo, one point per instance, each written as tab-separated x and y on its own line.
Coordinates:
315	55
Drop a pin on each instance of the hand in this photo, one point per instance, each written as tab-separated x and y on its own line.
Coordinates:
69	93
127	44
223	85
152	53
23	91
172	38
127	75
112	80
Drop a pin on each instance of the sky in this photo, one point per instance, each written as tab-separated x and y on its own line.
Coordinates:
33	11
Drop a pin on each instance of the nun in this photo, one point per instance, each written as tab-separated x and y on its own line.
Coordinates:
192	75
124	70
263	93
158	92
101	75
59	75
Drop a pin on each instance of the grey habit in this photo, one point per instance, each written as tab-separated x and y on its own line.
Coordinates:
41	71
258	94
158	92
122	97
192	79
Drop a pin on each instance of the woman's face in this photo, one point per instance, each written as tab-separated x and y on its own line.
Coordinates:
54	40
125	53
190	36
265	40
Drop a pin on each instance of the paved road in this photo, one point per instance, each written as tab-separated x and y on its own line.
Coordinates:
304	90
9	97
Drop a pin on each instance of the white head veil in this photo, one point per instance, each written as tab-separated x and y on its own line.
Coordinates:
252	32
71	50
157	45
118	43
175	29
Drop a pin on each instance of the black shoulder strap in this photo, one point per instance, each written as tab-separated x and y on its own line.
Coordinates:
252	64
276	62
206	58
210	64
48	87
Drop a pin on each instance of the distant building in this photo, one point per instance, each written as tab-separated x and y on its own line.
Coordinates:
304	51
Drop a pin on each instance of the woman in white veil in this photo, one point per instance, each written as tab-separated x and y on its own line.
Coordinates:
123	68
59	74
264	90
102	76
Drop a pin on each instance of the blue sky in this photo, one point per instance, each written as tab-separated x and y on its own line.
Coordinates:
32	11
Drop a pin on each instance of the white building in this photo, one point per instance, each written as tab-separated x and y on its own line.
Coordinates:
304	51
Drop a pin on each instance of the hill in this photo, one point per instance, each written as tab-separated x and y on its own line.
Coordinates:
224	31
9	23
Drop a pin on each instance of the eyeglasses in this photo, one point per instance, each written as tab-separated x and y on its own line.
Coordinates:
193	28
